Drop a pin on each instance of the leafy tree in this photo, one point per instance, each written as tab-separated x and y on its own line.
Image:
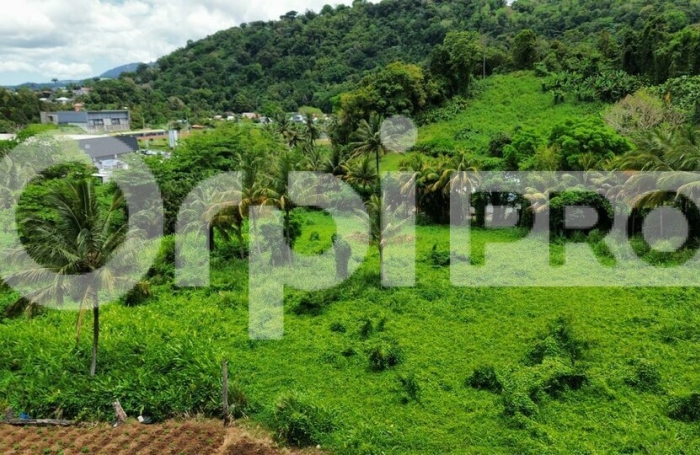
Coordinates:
82	239
587	140
525	49
368	139
463	51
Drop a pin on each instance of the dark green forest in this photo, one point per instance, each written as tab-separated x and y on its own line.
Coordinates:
311	58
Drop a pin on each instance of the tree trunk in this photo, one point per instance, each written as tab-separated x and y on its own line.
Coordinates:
480	213
119	413
239	235
289	238
95	333
212	241
381	265
224	393
257	241
379	177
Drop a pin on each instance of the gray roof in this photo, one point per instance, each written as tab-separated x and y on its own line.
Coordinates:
108	146
71	117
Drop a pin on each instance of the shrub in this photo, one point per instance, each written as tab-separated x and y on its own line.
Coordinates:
338	327
163	268
314	236
239	405
497	143
299	422
139	293
644	376
314	303
686	409
554	377
485	378
410	387
560	340
518	402
366	329
439	258
384	355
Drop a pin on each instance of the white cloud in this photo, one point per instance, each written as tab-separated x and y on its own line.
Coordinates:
43	39
66	70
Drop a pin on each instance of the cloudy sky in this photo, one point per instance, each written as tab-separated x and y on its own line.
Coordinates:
76	39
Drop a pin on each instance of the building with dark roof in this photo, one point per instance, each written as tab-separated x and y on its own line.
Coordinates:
91	121
108	148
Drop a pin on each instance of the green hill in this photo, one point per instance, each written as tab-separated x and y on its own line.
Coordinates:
309	58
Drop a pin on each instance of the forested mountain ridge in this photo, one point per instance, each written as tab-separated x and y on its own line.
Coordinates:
312	58
308	58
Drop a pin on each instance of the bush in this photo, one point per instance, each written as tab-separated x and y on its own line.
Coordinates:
518	402
485	378
527	387
497	143
384	355
410	387
139	293
239	405
554	377
314	303
338	327
561	341
644	376
439	258
163	268
686	409
299	422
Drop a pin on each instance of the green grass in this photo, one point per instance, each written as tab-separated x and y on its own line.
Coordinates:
164	357
506	102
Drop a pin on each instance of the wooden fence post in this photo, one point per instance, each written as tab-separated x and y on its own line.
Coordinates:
224	393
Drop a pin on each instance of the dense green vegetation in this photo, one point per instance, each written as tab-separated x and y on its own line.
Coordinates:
312	58
365	368
574	370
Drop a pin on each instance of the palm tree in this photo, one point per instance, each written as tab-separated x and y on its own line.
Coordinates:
368	140
252	192
435	179
360	172
288	131
80	241
673	152
313	157
382	234
214	207
335	163
276	190
311	131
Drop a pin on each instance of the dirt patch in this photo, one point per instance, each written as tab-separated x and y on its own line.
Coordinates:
195	437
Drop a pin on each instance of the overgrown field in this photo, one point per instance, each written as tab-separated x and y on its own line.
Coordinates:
365	370
502	104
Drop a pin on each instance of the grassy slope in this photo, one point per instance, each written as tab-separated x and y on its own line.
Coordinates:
506	102
171	347
168	350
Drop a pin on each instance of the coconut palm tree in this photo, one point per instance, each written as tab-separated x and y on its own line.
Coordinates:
276	189
252	192
311	130
313	157
335	163
383	234
213	207
368	140
81	240
360	172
